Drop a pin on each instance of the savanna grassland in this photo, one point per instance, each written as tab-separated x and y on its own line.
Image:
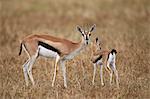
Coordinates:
120	24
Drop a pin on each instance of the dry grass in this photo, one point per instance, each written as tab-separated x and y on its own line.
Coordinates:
121	24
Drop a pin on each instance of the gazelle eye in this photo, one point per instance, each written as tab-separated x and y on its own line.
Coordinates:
82	34
89	34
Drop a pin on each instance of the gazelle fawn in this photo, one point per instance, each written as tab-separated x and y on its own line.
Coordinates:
52	47
106	59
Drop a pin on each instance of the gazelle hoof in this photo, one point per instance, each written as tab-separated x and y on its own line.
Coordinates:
118	86
33	83
93	83
27	84
103	84
65	86
52	85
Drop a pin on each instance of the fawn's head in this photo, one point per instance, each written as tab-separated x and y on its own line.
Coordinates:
97	44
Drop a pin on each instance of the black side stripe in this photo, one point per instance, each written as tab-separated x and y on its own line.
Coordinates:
97	59
108	56
47	46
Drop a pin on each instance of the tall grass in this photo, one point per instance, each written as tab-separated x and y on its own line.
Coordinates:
120	24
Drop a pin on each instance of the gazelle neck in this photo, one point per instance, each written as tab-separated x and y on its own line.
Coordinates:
82	44
79	47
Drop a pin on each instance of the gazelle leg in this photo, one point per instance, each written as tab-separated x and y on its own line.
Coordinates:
101	74
25	66
54	77
25	70
94	72
32	61
111	74
62	63
108	69
116	75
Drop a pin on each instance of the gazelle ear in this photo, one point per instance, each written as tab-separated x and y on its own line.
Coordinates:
79	29
92	28
96	39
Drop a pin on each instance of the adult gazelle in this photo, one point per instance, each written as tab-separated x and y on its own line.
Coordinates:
52	47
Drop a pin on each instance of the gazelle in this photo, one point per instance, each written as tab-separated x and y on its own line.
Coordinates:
52	47
110	62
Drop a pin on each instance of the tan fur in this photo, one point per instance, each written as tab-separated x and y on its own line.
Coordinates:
65	46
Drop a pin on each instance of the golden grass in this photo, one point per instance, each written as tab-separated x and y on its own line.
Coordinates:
121	24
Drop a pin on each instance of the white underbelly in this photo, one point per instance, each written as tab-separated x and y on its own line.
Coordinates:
47	53
70	56
99	62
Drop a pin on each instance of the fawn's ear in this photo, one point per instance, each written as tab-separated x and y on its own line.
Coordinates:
96	39
92	28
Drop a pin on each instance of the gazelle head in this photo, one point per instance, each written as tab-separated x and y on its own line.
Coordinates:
98	44
86	33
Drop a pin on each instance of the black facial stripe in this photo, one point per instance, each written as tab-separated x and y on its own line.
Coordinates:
97	59
87	37
47	46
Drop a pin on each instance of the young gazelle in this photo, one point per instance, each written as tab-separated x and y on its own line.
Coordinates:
110	59
52	47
